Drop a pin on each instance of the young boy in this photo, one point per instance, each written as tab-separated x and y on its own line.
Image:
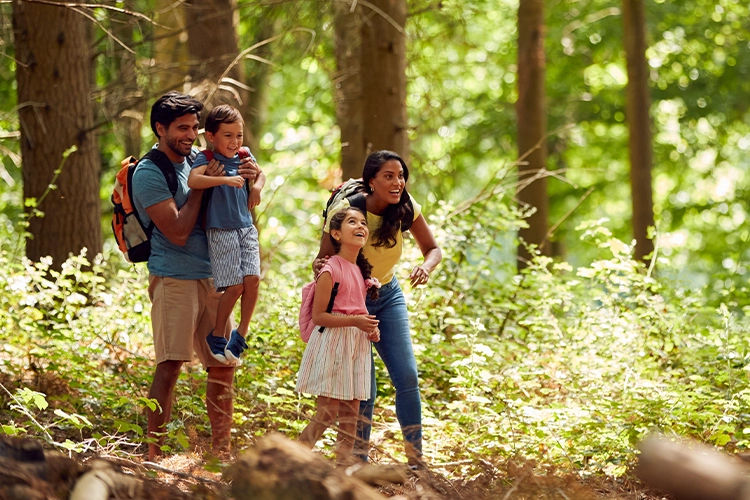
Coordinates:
232	238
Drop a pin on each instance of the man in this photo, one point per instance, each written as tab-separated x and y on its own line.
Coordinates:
181	290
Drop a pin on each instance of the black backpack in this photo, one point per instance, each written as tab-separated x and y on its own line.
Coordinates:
354	190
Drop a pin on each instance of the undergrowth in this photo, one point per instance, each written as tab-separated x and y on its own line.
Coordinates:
567	367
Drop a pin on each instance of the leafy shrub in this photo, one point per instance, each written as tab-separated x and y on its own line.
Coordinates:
569	367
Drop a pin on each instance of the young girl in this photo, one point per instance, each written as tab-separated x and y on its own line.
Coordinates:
390	209
336	364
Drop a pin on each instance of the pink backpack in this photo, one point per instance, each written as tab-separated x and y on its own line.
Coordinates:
306	324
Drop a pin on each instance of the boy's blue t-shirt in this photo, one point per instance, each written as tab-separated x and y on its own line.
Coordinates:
227	208
187	262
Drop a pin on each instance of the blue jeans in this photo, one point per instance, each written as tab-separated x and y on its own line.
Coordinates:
396	351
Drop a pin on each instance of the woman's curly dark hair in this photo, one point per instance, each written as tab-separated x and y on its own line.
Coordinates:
385	236
364	265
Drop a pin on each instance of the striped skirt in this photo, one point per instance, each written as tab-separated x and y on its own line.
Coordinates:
337	363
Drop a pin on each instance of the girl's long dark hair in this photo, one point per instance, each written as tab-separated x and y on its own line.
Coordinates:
385	236
364	265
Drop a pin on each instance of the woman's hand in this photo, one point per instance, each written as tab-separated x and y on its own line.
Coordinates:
366	322
419	276
318	265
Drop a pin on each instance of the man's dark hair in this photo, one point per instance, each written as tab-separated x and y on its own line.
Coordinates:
171	106
223	113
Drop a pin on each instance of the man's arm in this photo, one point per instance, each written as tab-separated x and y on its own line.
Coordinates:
176	224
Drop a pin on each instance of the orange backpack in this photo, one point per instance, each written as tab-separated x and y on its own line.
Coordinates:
133	237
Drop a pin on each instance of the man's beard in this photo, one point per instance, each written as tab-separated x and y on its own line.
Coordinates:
174	145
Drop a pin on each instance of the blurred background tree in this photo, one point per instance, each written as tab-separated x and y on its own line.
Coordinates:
321	82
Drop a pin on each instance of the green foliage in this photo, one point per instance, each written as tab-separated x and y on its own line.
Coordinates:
570	363
570	367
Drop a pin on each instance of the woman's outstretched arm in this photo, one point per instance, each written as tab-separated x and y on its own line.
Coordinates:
429	248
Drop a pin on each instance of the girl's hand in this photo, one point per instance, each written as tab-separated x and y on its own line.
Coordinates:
236	181
374	336
366	322
419	276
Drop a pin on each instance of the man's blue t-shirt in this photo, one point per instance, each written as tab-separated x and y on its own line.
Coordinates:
187	262
227	208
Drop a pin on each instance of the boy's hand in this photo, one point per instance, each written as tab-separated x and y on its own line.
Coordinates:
236	181
254	197
366	322
248	169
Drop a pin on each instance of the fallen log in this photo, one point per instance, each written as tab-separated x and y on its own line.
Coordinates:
277	468
28	472
691	471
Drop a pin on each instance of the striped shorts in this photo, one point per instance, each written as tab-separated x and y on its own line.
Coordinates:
234	254
337	363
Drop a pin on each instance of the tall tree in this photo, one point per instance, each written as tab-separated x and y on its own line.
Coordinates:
125	101
383	70
257	72
347	84
170	47
213	46
532	125
52	45
639	125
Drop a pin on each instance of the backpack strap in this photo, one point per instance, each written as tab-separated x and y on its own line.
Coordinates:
162	161
358	200
334	292
164	164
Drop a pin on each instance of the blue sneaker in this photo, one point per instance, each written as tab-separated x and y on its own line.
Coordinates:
216	346
235	347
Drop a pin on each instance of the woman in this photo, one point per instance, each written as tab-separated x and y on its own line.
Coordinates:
389	209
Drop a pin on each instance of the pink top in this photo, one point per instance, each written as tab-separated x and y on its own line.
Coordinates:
350	298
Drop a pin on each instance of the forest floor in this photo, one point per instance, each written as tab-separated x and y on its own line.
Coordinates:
511	481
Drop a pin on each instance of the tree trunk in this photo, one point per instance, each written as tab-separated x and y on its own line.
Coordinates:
170	47
213	46
126	102
639	124
55	112
383	70
257	76
532	126
347	84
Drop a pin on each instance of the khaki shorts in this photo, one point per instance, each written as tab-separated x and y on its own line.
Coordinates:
183	313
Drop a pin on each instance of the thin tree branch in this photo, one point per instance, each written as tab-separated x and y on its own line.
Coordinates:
92	6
